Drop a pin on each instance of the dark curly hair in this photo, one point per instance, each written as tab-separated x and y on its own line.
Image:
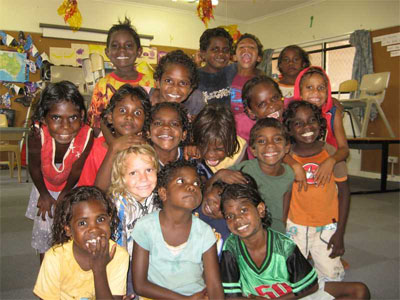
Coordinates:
251	83
124	91
290	113
215	122
266	123
177	57
63	212
56	93
125	25
166	173
205	39
302	53
239	192
182	113
255	39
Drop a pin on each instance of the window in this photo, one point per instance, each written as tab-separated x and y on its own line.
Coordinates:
335	57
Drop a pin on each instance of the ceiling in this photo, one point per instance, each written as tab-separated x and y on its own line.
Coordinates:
245	11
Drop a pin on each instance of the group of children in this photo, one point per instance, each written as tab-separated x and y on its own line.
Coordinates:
169	203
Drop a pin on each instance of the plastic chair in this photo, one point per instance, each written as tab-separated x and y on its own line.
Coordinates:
372	92
349	86
98	70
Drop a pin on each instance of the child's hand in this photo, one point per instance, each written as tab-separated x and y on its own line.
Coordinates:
100	256
336	243
324	171
199	295
230	176
126	141
45	202
300	176
191	151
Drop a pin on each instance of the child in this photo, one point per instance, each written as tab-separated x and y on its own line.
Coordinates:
125	114
269	144
291	61
123	48
317	218
312	85
216	76
167	129
83	263
174	250
133	179
258	262
214	135
59	143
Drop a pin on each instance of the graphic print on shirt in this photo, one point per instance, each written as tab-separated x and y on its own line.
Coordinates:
311	170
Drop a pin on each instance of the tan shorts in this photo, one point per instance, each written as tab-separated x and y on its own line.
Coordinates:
315	240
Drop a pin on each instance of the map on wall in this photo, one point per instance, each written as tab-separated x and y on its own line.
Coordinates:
13	66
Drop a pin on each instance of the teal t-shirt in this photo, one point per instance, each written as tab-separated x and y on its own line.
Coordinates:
271	188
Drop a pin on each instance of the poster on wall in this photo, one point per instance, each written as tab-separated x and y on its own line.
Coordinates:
99	49
13	66
149	55
161	54
81	52
62	56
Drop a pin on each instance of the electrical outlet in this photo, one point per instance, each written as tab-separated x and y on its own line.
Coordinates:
393	159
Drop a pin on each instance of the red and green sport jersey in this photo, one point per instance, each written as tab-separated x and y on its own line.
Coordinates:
283	271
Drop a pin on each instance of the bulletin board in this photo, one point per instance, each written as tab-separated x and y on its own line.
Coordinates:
385	62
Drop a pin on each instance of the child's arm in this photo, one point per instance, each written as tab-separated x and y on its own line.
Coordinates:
212	276
325	169
103	177
108	136
299	172
45	201
337	240
143	287
227	176
286	205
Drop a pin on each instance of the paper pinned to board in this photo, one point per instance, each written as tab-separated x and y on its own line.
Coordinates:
81	52
62	56
393	48
388	39
395	53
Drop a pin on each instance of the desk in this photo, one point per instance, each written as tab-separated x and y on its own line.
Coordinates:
14	134
373	144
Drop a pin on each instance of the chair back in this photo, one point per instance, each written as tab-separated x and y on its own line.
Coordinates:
373	86
348	86
97	62
3	120
88	75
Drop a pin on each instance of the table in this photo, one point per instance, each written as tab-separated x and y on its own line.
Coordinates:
14	134
371	143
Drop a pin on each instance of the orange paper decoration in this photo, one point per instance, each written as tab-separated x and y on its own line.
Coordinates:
233	31
205	11
72	15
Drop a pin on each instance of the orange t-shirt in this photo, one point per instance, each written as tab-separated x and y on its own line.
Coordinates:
318	206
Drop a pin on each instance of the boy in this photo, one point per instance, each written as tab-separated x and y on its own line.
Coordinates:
269	144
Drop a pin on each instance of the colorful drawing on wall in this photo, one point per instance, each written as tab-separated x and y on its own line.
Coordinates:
161	54
81	52
70	12
100	49
13	66
62	56
149	55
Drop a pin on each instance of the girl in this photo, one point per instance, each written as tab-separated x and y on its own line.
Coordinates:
167	129
83	263
172	243
125	115
291	61
133	179
123	48
312	85
259	262
214	135
59	143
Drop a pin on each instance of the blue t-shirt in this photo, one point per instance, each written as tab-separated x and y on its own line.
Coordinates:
182	273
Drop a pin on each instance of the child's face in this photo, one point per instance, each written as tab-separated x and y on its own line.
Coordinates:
243	218
314	90
305	127
140	175
270	146
175	85
183	190
127	117
247	54
166	130
211	202
215	153
89	222
265	102
217	54
64	120
291	64
122	50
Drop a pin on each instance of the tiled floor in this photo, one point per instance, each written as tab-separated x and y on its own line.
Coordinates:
372	242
